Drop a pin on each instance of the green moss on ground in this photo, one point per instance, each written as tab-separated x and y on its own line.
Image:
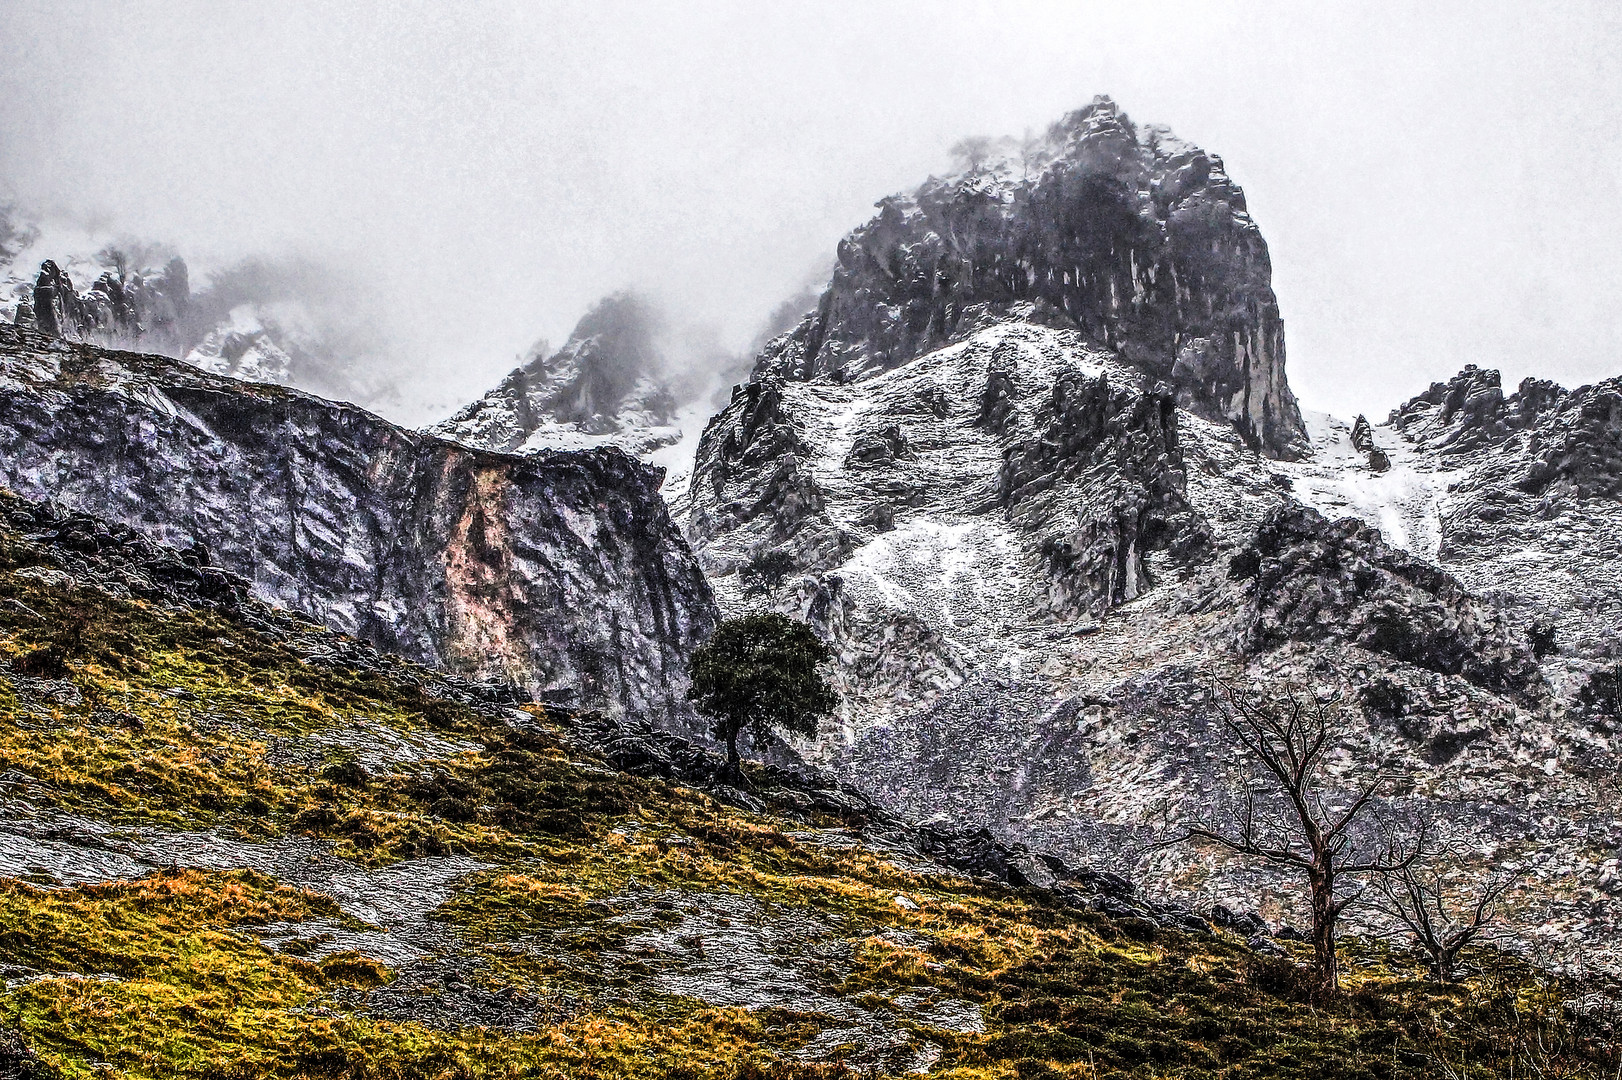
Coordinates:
179	718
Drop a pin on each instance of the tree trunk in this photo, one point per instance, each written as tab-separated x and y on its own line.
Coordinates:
1443	964
1323	930
735	775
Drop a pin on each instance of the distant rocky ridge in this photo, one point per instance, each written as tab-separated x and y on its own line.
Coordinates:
1517	495
118	308
558	571
252	321
605	386
1134	238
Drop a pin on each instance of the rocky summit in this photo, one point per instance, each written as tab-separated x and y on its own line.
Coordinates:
602	387
1134	238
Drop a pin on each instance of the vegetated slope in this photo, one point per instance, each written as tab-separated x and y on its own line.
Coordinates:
238	844
560	571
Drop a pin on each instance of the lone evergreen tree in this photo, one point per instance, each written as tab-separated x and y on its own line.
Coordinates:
760	672
765	572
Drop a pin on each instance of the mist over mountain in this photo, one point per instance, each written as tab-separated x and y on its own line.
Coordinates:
489	174
284	320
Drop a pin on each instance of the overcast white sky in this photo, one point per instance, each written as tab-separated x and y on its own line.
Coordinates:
1439	184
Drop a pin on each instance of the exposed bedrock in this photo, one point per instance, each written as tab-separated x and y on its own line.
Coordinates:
119	308
1311	580
605	386
752	472
560	571
1021	432
1566	443
1118	444
1532	508
1137	239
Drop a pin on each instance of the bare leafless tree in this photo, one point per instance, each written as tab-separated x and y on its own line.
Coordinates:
1030	153
1422	903
972	152
1297	819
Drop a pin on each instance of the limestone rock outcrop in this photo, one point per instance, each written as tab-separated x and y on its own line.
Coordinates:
560	571
121	308
1312	580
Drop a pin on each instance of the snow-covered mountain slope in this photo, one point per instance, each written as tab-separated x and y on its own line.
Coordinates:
605	387
1402	495
1029	559
1517	496
1037	467
984	487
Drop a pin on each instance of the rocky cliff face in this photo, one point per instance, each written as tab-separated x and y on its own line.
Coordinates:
1310	580
603	387
1530	508
1019	475
120	308
1067	711
1515	495
1136	239
560	571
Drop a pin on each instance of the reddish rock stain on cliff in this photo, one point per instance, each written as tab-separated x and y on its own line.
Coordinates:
481	604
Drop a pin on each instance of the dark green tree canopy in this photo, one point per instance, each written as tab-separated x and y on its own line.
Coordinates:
765	572
760	673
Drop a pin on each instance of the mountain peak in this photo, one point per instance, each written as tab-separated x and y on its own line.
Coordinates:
605	385
1138	240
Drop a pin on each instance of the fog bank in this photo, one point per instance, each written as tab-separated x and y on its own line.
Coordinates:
1438	182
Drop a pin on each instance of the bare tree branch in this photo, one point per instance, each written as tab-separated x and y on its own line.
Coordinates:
1285	731
1441	921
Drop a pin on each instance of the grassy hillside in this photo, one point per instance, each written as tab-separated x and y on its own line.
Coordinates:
235	849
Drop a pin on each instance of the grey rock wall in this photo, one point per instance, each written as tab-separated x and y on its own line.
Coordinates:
560	571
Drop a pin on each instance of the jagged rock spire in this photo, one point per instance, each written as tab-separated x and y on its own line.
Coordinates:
1138	240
